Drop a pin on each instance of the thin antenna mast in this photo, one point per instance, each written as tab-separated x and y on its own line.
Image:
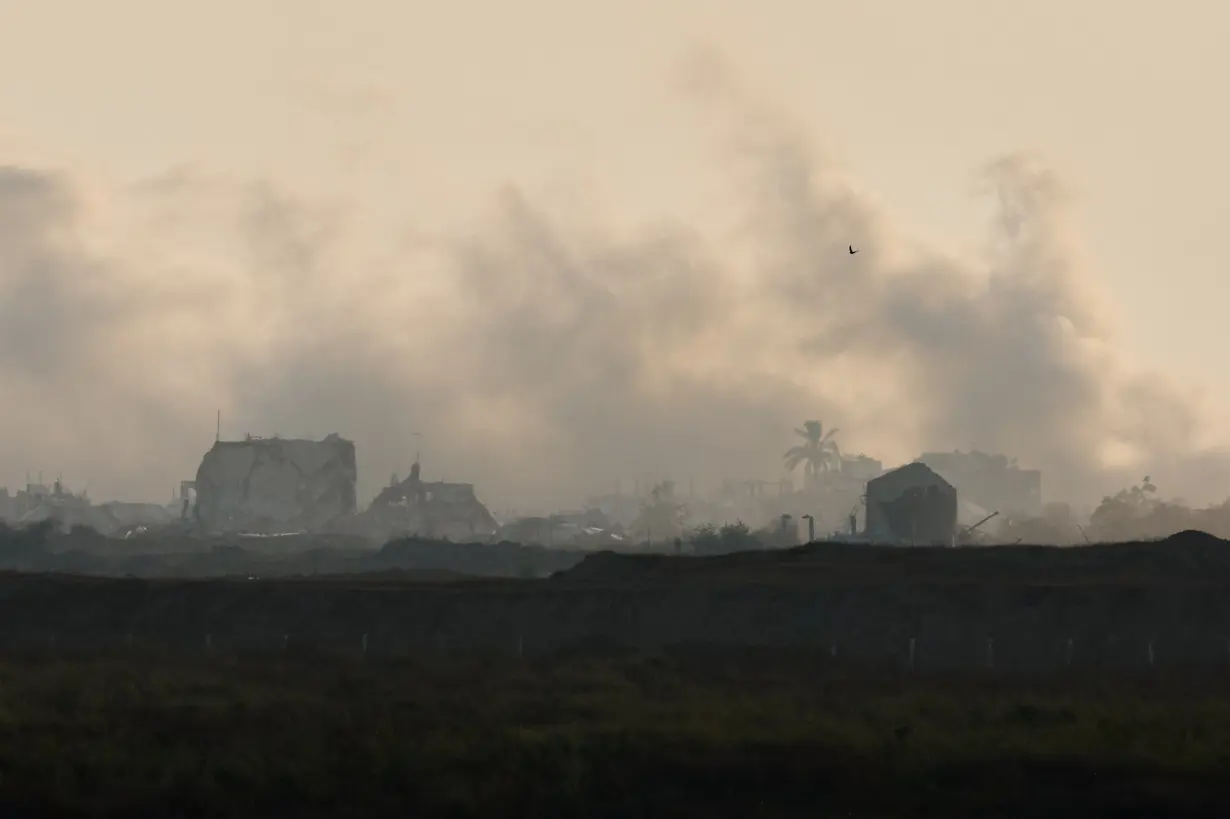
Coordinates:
218	428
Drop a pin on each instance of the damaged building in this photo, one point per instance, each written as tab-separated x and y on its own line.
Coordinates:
67	510
429	509
911	505
273	485
583	529
38	502
993	483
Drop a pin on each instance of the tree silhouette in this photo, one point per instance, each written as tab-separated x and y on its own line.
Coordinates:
818	453
661	518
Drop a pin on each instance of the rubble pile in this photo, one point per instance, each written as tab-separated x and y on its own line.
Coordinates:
418	508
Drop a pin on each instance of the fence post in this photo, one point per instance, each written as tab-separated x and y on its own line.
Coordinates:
364	644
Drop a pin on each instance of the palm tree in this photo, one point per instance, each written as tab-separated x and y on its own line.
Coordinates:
818	454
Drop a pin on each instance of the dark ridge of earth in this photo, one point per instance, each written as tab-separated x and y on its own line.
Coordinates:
1187	556
1033	609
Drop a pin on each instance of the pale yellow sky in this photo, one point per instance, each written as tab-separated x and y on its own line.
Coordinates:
453	98
417	112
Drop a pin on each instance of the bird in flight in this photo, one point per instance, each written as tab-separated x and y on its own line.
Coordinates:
852	250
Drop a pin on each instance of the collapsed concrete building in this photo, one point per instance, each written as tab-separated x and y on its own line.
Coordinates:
860	467
275	485
588	529
67	510
38	502
435	509
619	508
122	517
994	483
911	505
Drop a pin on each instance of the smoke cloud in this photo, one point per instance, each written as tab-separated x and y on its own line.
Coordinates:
545	358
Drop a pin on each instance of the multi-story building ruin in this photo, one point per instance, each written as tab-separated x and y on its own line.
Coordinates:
430	509
860	467
273	485
38	502
993	482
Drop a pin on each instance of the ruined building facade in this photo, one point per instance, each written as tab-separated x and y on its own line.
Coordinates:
38	502
911	505
429	509
993	482
272	485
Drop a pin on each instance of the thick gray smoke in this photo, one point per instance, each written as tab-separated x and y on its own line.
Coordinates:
544	358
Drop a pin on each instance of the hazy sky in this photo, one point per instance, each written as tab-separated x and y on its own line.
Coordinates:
227	154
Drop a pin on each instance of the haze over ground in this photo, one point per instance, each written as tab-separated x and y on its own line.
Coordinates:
576	245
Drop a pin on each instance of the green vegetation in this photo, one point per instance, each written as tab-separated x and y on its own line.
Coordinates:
685	734
708	539
1135	513
730	537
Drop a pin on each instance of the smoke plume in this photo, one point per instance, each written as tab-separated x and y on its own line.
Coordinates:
545	358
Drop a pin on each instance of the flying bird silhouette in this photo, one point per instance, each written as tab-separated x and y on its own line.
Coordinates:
852	250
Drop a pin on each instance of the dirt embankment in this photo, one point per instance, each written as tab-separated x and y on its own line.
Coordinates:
1013	608
172	553
1186	556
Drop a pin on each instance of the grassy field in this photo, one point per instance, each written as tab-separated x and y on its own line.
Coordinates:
685	734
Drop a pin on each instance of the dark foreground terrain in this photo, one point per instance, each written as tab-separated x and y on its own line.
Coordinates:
681	733
828	680
169	552
1113	608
